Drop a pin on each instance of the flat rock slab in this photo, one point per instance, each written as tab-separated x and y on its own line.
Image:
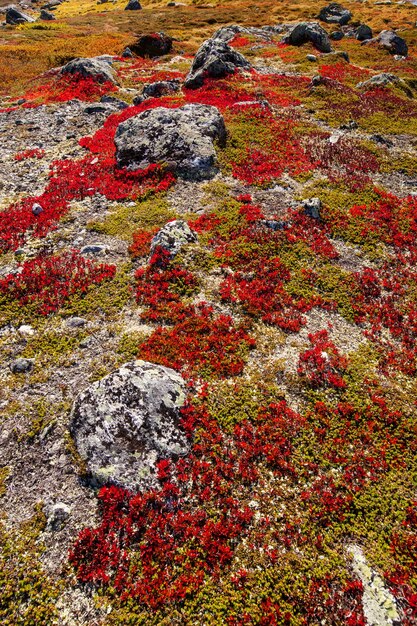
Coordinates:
125	422
180	139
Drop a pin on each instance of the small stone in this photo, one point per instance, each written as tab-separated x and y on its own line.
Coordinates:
25	329
94	249
133	5
46	16
337	35
172	237
21	366
312	207
127	53
364	32
334	13
275	224
57	515
37	209
311	57
75	322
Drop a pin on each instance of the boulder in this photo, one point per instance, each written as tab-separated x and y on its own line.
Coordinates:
389	40
16	16
133	5
337	35
46	16
363	32
308	32
334	13
98	69
172	237
153	45
214	59
182	139
124	423
161	88
385	80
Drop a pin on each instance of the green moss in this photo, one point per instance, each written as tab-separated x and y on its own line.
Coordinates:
122	222
28	595
129	344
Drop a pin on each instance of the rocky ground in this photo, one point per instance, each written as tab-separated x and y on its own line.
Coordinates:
207	327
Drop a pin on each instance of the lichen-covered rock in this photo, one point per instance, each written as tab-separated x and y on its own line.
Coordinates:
389	40
214	59
161	88
172	237
334	13
308	32
98	69
181	139
125	422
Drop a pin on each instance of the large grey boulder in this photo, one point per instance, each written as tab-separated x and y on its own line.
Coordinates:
172	237
214	59
334	13
181	139
16	16
389	40
125	422
99	69
308	32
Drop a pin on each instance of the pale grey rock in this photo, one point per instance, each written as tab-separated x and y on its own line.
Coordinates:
182	139
379	605
214	59
172	237
99	69
94	249
75	322
22	366
56	516
334	13
389	40
37	209
385	80
308	32
125	422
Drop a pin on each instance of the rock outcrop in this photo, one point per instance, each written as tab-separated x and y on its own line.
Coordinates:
161	88
172	237
16	16
214	59
182	139
389	40
97	68
334	13
123	423
308	32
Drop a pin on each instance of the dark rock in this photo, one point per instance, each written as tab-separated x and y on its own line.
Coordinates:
161	88
21	366
311	57
37	209
119	104
138	100
337	35
382	140
127	53
350	125
123	423
133	5
46	16
308	32
153	45
93	249
392	42
312	207
214	59
172	237
363	32
334	13
275	224
99	69
100	107
15	16
182	139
